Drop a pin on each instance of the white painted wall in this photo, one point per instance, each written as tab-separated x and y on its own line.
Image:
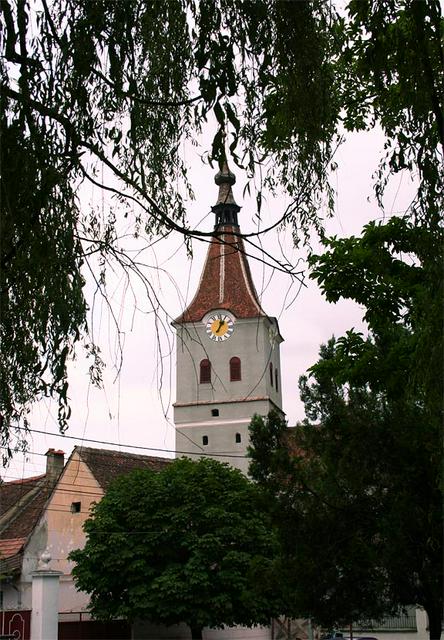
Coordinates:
236	401
250	342
45	604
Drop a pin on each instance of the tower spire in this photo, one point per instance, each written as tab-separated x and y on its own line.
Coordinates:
226	208
226	281
228	365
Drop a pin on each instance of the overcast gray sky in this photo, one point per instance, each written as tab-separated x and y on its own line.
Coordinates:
134	408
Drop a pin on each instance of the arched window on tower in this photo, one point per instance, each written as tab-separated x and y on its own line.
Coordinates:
205	371
271	373
235	369
276	379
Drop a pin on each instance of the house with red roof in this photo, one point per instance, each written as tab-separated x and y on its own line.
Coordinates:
21	504
46	513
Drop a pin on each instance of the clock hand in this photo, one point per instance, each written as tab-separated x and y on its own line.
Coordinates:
221	324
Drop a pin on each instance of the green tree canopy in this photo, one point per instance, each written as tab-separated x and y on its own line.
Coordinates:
393	75
187	544
359	481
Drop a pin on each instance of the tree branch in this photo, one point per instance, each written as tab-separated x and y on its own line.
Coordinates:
133	96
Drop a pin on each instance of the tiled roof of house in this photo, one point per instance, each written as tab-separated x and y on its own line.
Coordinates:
226	281
11	547
22	502
106	465
25	502
11	492
21	505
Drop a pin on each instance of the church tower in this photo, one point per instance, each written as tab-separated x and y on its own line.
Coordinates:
228	364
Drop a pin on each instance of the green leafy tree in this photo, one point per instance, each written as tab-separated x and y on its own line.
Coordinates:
356	489
187	544
393	75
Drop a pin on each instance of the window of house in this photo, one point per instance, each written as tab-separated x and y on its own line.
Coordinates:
238	437
76	507
204	440
214	412
205	371
271	373
235	369
276	382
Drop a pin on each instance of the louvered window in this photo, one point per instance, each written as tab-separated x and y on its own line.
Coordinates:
235	369
205	371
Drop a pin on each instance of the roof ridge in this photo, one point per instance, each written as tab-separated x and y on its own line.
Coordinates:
107	464
120	453
24	480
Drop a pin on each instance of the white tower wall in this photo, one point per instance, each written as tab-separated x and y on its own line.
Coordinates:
212	418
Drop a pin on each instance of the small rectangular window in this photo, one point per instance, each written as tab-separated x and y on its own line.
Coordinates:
204	440
76	507
214	412
238	437
276	383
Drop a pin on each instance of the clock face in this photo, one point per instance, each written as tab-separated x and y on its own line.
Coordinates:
219	326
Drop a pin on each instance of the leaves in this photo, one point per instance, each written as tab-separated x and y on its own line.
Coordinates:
392	73
394	272
360	479
189	544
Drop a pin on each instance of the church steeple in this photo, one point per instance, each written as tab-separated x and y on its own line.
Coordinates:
226	281
226	208
228	363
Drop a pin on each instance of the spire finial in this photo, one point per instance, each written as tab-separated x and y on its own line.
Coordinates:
224	175
226	208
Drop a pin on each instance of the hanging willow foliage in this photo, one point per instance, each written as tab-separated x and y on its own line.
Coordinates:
119	86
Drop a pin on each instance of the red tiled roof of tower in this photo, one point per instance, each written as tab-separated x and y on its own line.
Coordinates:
226	281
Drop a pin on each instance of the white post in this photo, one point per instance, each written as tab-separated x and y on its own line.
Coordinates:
45	601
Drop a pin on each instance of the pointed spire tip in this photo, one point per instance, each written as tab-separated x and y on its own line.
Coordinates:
224	176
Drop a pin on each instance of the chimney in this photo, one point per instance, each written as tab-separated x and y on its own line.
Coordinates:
55	461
